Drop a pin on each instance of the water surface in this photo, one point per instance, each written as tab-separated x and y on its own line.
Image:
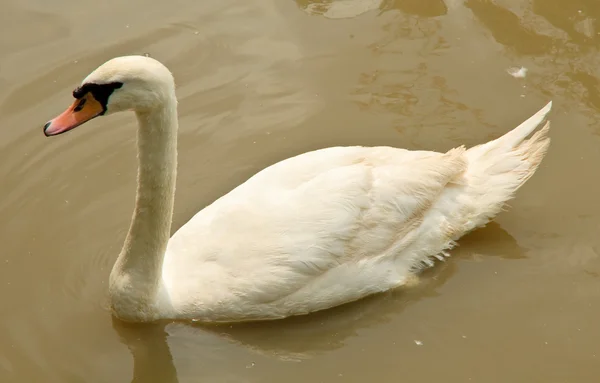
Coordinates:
262	80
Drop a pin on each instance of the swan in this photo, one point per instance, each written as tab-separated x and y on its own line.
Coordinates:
311	232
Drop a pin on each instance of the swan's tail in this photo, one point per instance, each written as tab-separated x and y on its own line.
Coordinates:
497	169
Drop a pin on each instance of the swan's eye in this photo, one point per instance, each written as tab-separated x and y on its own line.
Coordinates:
80	105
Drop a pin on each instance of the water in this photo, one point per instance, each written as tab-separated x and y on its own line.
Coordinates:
262	80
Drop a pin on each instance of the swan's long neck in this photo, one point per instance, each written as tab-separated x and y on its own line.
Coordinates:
135	278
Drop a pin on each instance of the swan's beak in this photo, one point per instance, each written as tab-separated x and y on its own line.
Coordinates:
82	110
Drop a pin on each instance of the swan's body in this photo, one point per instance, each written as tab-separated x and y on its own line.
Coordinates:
308	233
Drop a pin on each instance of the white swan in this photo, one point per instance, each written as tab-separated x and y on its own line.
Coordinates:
308	233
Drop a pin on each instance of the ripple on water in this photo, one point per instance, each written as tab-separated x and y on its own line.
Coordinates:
339	9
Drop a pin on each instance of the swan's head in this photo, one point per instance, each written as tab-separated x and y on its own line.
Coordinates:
136	83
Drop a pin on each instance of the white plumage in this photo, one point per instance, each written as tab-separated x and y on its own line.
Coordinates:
308	233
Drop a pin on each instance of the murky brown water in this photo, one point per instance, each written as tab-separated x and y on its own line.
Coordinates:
262	80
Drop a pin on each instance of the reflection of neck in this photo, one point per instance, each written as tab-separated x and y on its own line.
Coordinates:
148	344
137	272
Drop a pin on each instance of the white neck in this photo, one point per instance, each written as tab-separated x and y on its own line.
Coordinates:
136	275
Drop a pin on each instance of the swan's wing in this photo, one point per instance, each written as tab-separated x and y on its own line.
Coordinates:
296	221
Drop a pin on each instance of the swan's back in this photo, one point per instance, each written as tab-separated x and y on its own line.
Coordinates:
311	229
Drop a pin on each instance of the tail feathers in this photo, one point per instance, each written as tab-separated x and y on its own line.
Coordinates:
513	142
500	167
494	172
533	151
513	138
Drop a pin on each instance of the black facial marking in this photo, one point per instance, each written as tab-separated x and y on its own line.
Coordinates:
101	93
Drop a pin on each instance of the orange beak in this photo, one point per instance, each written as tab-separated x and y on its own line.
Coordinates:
82	110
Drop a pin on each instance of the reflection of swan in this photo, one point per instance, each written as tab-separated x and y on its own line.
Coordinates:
312	232
152	359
